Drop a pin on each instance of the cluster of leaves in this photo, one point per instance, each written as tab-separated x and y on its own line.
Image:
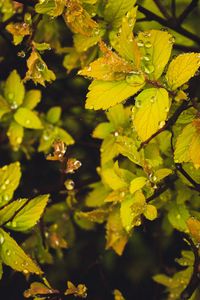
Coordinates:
149	155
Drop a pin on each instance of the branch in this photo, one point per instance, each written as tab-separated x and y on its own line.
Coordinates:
162	9
173	8
187	11
195	278
27	2
188	177
171	23
168	124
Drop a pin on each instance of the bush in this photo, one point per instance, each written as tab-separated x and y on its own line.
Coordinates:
129	160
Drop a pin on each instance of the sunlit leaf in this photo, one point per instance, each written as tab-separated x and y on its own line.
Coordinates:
13	256
150	112
53	8
182	68
137	184
15	134
27	118
194	228
14	90
178	215
31	99
155	47
150	212
103	95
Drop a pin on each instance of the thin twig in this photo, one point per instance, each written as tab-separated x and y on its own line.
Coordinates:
27	2
173	8
188	177
195	278
172	24
187	11
162	9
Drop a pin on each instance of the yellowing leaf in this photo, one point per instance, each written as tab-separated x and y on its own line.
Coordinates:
29	214
116	9
150	114
162	173
53	8
131	210
97	216
181	69
15	134
116	236
194	228
13	256
155	48
38	70
53	114
118	295
178	215
27	118
103	95
137	184
82	43
31	99
187	148
9	180
8	211
4	107
14	90
108	67
19	31
150	212
103	130
113	180
124	41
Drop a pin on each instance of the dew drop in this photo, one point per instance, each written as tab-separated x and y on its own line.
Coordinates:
77	164
27	122
116	133
140	43
149	69
161	124
1	238
40	66
14	105
8	252
7	181
21	54
69	184
153	99
172	40
178	216
138	103
166	109
148	44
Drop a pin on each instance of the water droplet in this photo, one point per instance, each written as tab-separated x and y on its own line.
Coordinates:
19	140
7	181
13	224
40	66
8	252
21	54
172	40
149	69
148	44
138	103
147	34
116	133
3	187
178	216
140	43
69	184
1	238
153	99
5	197
14	105
134	79
166	109
25	271
147	57
27	122
161	124
77	164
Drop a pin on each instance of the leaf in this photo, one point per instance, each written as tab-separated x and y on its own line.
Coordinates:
102	130
53	8
150	212
42	46
9	180
151	109
15	134
194	228
103	95
8	211
38	70
162	173
118	295
155	56
108	67
137	184
79	291
96	197
181	69
31	99
118	116
13	256
53	114
124	41
28	216
116	236
19	31
64	136
116	9
131	210
97	216
109	149
14	90
82	43
38	288
187	148
27	118
4	107
178	215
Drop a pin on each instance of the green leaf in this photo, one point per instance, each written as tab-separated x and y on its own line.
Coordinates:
64	136
103	130
42	46
4	107
113	180
137	184
27	118
103	95
131	210
97	215
15	134
150	113
118	116
150	212
154	55
96	197
116	9
82	43
109	149
53	114
32	98
9	180
162	173
178	215
7	212
28	216
53	8
14	90
181	69
13	256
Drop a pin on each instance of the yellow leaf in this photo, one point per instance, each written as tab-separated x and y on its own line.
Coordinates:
194	228
104	94
137	184
155	47
181	69
109	67
150	212
150	113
